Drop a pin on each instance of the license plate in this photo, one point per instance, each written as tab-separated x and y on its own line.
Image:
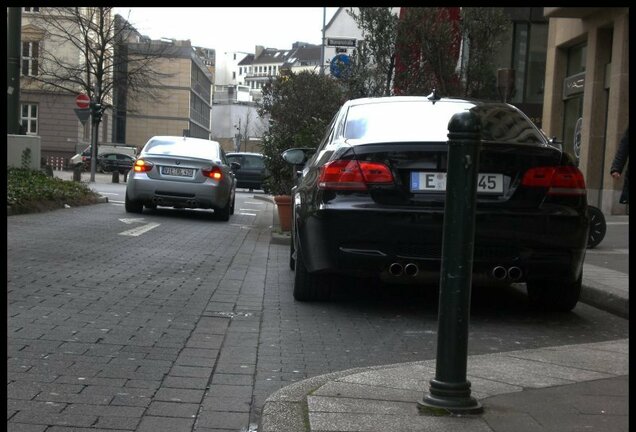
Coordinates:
179	172
436	182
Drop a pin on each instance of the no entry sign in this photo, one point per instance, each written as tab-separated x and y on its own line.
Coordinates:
82	101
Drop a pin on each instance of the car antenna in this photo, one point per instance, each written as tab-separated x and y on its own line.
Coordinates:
433	97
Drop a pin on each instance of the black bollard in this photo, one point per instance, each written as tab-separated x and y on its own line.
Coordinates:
115	176
450	390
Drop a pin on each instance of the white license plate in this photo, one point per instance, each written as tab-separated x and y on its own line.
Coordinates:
179	172
436	182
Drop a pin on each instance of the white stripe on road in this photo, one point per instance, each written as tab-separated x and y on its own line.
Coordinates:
617	223
139	230
247	214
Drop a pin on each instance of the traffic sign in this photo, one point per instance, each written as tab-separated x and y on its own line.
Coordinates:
341	42
82	101
340	65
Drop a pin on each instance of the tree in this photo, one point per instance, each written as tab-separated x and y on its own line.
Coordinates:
298	108
248	125
427	48
93	35
483	30
372	66
427	52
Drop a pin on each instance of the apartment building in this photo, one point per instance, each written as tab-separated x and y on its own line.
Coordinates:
182	101
47	112
587	92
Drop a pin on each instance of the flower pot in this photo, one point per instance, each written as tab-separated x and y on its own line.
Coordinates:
283	202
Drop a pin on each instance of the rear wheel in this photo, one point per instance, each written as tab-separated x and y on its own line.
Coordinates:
309	286
133	206
555	295
598	226
223	214
292	260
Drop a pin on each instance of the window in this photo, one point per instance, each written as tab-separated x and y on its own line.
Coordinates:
240	70
29	119
30	58
233	75
31	9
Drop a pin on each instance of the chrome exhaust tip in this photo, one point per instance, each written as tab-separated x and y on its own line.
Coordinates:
514	273
395	269
499	272
411	269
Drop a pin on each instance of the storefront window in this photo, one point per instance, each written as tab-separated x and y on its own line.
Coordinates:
573	100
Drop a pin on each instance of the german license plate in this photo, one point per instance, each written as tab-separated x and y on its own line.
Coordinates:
175	171
436	182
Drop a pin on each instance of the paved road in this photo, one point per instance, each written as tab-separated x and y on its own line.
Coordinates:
171	321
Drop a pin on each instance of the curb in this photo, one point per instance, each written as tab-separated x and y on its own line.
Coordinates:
608	302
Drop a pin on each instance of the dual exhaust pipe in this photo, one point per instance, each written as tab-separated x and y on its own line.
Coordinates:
397	269
513	273
499	272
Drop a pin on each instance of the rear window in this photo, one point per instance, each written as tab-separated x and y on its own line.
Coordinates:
502	123
403	121
198	148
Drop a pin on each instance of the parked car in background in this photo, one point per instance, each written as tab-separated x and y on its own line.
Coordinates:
182	172
109	162
84	157
370	201
252	173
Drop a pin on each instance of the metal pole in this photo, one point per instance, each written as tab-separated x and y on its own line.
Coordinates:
450	390
322	47
14	23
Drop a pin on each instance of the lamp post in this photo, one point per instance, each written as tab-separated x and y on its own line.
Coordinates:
322	46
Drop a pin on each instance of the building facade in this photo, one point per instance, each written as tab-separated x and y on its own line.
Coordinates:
586	102
182	99
46	112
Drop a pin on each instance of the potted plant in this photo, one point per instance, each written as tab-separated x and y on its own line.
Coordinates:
298	108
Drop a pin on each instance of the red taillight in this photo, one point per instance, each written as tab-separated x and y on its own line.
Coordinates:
353	175
214	173
142	165
560	180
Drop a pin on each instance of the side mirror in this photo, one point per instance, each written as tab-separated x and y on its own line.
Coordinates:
297	156
235	166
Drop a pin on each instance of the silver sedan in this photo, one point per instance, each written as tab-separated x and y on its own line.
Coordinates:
182	172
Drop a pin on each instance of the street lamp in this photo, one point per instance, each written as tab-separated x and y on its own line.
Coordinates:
322	46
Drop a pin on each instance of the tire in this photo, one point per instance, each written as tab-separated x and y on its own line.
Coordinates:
223	214
292	260
309	286
553	295
133	206
598	226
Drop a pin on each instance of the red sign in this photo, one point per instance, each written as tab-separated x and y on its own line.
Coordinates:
82	101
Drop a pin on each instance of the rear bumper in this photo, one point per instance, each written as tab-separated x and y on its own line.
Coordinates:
526	246
206	195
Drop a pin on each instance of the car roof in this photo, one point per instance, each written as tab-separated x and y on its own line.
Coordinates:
391	99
